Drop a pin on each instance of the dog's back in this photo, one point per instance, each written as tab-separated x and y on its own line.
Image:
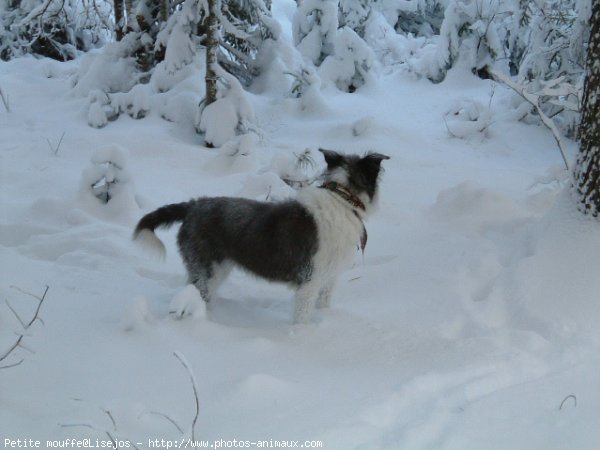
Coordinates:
273	240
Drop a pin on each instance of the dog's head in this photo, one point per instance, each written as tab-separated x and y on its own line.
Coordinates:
360	175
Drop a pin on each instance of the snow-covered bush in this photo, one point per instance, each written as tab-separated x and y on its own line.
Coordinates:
467	118
230	115
106	187
54	28
307	88
314	29
417	17
177	36
296	169
111	69
474	31
351	63
100	110
345	59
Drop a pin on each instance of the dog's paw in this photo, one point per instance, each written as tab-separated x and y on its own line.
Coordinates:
188	302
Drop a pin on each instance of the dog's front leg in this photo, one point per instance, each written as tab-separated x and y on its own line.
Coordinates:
304	301
324	298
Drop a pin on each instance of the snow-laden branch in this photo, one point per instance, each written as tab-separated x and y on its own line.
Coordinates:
229	27
35	13
534	99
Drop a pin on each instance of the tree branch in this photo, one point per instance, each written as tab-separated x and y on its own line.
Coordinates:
534	99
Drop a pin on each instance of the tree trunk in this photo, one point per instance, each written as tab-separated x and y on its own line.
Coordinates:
586	176
129	14
164	10
119	19
212	47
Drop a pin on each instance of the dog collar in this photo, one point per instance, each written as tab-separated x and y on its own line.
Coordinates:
345	193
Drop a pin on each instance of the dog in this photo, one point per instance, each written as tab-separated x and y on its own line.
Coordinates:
303	242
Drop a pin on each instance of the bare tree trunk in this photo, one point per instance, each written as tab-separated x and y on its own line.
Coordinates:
119	19
212	47
586	176
164	10
129	13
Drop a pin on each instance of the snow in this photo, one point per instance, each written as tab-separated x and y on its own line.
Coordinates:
470	323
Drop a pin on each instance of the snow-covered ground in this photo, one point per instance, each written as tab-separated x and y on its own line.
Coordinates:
470	323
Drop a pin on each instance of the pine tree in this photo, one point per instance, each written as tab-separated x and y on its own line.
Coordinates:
314	28
354	14
586	177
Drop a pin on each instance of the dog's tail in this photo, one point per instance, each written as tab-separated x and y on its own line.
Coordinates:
163	217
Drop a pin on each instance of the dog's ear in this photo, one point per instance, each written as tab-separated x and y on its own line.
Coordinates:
370	165
376	156
332	158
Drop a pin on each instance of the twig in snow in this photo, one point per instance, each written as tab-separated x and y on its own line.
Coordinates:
112	439
16	314
492	92
567	398
164	416
8	366
10	350
37	310
5	100
110	416
75	425
534	99
181	359
24	325
55	150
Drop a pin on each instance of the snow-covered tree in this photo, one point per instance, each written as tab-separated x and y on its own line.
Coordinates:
473	31
351	62
586	177
54	28
229	115
354	14
547	43
314	29
156	56
245	26
548	38
330	37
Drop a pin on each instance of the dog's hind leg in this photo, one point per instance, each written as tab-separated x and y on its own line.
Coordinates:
304	302
208	277
324	297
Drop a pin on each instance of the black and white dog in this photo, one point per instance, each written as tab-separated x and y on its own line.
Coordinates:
303	242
